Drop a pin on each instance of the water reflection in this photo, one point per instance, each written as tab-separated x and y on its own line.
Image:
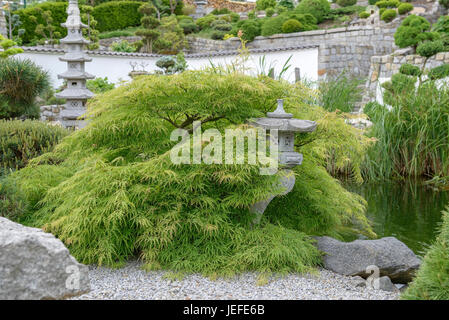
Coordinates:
410	211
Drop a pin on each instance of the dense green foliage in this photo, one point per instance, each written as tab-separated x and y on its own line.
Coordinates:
116	15
264	4
431	282
364	15
291	25
412	31
274	25
346	3
29	24
317	8
8	47
110	190
21	141
21	81
99	85
405	8
388	15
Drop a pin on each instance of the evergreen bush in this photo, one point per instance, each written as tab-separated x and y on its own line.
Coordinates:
317	8
116	15
388	15
346	3
405	8
291	25
412	31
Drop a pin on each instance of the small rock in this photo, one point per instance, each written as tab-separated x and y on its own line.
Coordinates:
385	284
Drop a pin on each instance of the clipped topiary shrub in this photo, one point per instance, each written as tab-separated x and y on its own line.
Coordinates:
388	4
364	15
206	21
110	190
388	15
346	3
117	15
405	8
291	25
410	70
439	72
21	141
269	12
430	48
413	30
317	8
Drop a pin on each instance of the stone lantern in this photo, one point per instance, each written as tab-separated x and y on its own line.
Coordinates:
76	93
287	126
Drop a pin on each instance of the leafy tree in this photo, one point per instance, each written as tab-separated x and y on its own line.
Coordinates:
46	31
172	38
91	33
8	48
150	23
291	25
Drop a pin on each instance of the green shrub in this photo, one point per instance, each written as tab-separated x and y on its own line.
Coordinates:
364	15
405	8
251	29
99	85
346	3
109	194
432	277
221	25
116	15
372	2
221	11
413	30
288	4
410	70
388	3
429	48
58	13
274	25
21	141
206	21
388	15
217	35
264	4
317	8
21	81
439	72
269	12
291	25
122	46
234	17
188	26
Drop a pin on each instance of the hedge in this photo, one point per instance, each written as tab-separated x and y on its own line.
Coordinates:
58	13
116	15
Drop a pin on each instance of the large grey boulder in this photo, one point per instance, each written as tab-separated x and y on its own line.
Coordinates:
36	265
392	257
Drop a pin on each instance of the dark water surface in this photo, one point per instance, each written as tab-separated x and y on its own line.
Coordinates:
408	211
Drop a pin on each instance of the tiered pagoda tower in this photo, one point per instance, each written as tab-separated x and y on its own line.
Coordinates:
76	93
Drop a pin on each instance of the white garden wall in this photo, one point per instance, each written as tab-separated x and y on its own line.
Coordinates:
117	66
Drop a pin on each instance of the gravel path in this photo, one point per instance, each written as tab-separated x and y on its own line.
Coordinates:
131	282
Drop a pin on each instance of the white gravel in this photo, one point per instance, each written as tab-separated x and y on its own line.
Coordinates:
131	282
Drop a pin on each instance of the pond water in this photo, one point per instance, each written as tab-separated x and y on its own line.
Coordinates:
408	211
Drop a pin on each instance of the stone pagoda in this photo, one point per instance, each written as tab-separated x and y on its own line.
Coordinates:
76	93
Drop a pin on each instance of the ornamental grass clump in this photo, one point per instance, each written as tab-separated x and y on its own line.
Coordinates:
110	191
